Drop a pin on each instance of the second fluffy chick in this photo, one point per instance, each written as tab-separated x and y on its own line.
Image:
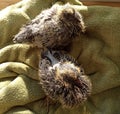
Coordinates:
63	80
52	28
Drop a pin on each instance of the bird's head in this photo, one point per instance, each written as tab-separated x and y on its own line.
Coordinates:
70	16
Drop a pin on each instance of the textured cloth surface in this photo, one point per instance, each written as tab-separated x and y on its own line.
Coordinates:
98	50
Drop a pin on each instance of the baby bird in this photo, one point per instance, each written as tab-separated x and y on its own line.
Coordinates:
52	28
63	80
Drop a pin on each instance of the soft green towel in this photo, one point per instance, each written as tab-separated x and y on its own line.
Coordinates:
98	50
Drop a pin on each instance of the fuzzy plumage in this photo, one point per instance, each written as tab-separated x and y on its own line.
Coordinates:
63	80
54	27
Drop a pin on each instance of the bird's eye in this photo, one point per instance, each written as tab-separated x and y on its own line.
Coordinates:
82	71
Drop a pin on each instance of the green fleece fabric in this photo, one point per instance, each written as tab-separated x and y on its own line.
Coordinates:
98	50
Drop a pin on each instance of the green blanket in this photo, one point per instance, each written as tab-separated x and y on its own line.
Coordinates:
98	50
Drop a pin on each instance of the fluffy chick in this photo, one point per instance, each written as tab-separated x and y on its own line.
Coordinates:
54	27
63	80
